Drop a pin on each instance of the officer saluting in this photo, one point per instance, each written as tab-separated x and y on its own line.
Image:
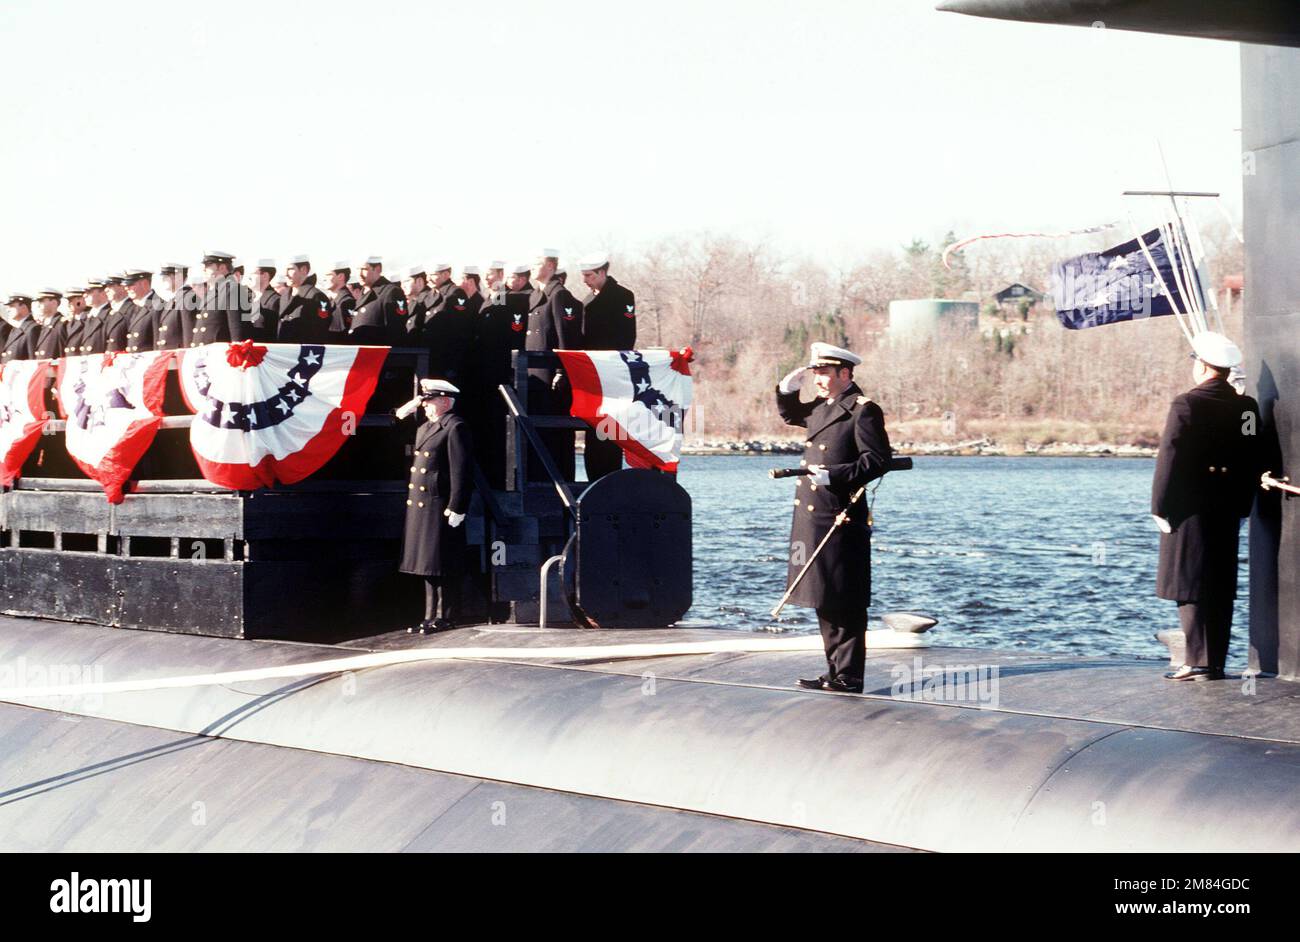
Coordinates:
433	541
845	448
1207	474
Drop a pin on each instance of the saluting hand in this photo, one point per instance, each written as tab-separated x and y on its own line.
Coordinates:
793	381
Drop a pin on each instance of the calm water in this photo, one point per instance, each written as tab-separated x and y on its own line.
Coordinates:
1053	554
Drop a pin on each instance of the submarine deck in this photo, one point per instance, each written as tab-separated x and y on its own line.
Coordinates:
712	751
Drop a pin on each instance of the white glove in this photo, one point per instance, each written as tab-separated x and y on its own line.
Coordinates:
1162	524
453	519
793	381
820	476
409	408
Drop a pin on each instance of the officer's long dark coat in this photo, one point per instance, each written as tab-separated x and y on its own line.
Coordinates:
142	325
20	342
609	318
72	327
848	436
93	338
115	326
47	341
440	480
306	317
219	317
1207	475
380	316
171	320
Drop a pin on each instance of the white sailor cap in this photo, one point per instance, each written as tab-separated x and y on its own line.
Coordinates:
595	264
341	266
266	264
217	255
236	264
374	260
470	270
172	268
825	354
561	270
522	270
440	266
1216	350
549	253
496	265
433	388
300	260
280	282
197	277
416	271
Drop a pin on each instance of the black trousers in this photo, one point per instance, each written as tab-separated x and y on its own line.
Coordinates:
442	598
1207	625
846	648
600	456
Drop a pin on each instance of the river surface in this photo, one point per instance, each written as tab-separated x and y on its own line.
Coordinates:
1050	554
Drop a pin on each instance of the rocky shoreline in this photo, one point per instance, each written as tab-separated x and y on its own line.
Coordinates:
976	447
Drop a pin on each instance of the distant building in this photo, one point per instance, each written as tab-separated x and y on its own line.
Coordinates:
927	315
1015	293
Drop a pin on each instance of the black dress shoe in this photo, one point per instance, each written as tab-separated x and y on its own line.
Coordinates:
842	686
443	624
1186	673
817	684
423	628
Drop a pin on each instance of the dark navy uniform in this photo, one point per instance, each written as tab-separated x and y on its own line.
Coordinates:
1207	475
115	326
171	320
846	435
380	316
498	332
47	339
264	322
219	317
93	338
441	479
554	323
20	342
608	323
444	324
142	326
307	316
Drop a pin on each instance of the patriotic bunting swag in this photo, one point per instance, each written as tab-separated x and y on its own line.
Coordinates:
274	412
637	398
22	413
113	404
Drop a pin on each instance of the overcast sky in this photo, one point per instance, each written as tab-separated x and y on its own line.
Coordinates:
136	132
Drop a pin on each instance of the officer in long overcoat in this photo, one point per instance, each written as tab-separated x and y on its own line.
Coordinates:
437	501
1207	475
846	446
